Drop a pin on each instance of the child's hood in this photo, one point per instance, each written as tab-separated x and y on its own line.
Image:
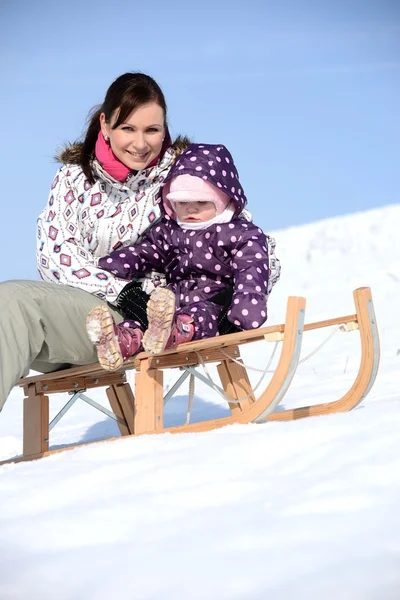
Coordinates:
212	162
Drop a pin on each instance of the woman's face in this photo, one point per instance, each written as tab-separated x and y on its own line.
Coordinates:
138	140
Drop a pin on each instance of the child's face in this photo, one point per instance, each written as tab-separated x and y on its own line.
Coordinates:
195	212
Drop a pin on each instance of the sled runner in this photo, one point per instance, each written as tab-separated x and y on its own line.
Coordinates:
142	412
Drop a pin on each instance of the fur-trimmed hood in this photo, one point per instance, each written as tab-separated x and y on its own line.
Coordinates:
212	162
70	154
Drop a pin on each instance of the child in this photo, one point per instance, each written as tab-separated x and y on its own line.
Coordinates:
206	252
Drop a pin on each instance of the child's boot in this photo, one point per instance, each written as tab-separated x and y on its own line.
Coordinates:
114	343
166	329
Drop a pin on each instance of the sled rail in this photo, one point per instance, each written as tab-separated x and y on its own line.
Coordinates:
142	413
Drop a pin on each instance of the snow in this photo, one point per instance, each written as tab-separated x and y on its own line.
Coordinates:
289	510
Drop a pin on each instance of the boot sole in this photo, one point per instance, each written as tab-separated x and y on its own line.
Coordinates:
100	330
160	314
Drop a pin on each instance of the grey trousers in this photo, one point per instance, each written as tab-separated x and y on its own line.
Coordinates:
42	327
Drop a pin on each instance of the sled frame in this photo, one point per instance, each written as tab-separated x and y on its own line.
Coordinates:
142	413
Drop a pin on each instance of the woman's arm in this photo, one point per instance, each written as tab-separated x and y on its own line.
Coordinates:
61	256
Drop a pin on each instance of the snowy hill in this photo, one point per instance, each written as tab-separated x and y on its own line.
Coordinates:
336	255
301	510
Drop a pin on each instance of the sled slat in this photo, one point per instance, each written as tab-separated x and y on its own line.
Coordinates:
184	359
72	384
86	370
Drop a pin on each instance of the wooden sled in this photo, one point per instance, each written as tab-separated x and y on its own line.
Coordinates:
142	413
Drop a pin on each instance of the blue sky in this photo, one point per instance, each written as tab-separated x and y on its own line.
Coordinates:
306	95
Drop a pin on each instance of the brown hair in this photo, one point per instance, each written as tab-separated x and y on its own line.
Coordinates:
126	93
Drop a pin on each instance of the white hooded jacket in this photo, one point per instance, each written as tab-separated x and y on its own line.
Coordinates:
83	222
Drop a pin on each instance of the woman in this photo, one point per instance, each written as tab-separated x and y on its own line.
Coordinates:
104	196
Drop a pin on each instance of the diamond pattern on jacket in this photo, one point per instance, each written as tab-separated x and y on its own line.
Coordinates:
72	228
65	259
139	196
118	211
95	199
53	232
68	212
81	273
55	181
102	276
59	229
69	197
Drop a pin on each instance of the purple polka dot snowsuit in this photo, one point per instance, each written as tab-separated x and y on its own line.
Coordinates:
199	264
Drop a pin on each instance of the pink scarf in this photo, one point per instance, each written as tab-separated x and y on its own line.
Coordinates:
109	161
113	165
